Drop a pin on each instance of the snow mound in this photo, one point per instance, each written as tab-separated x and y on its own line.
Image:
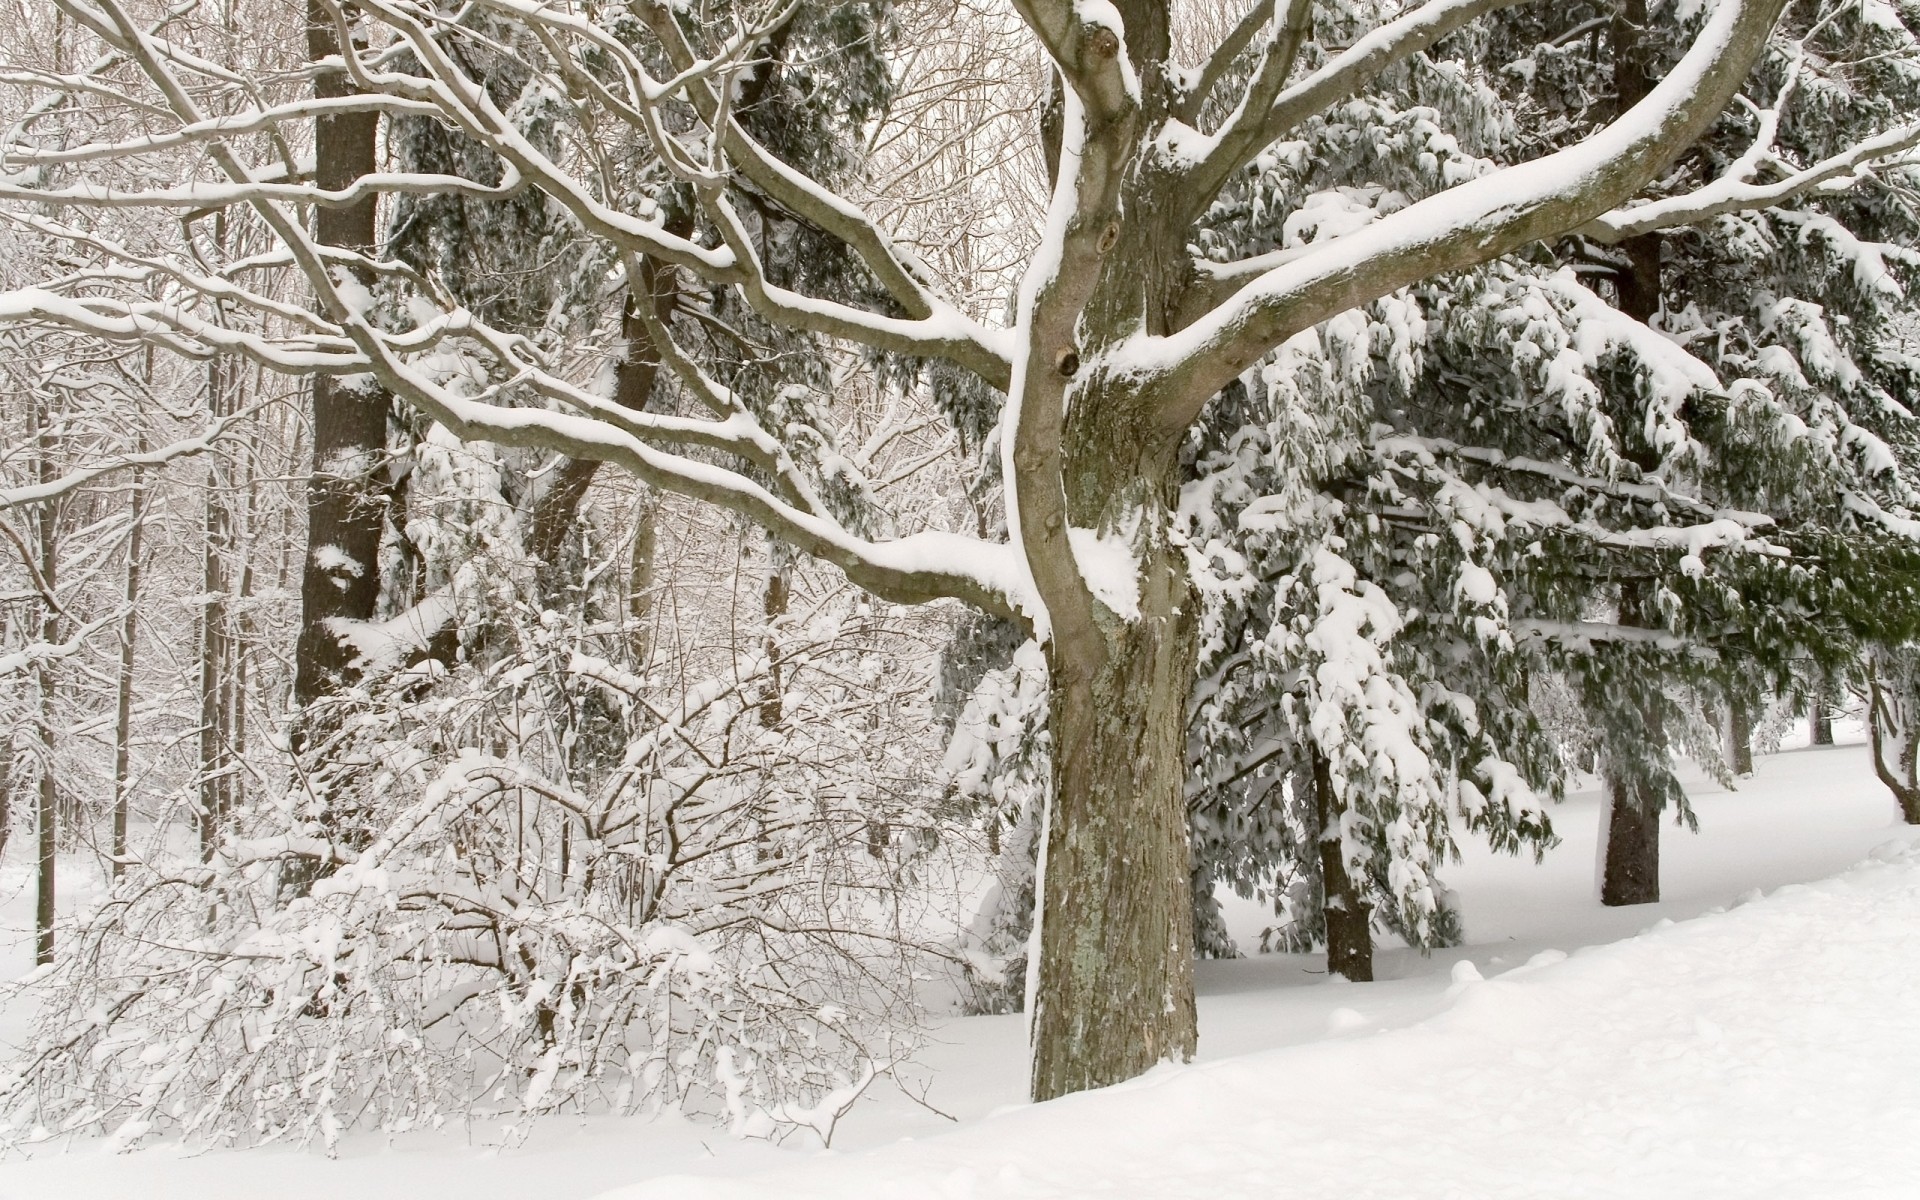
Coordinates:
1766	1051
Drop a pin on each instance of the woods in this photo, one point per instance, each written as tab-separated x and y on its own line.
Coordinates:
1067	461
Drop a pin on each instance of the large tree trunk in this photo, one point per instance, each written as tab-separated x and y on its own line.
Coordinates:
1349	918
1115	980
347	492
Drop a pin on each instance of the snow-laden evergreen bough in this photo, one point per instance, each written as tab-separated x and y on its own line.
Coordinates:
1119	338
1514	477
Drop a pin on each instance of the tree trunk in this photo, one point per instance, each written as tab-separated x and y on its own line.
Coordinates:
347	492
1349	918
1630	855
46	818
779	588
1820	721
640	572
1890	734
556	509
7	761
215	642
1630	870
1740	737
123	701
1115	979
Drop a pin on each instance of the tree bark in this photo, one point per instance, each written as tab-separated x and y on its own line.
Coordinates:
556	510
1891	735
123	701
1114	991
46	813
1349	918
641	565
1740	737
774	605
1632	871
216	649
1820	721
346	494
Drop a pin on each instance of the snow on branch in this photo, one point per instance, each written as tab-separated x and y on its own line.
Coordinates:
1469	224
200	443
1739	187
1087	41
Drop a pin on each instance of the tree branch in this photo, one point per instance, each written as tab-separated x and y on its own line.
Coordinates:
1461	227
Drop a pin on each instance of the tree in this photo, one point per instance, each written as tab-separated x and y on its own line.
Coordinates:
1117	342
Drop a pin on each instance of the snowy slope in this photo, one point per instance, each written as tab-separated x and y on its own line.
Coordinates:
1764	1051
1767	1051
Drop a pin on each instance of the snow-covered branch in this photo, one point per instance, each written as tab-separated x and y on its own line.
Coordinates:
1472	223
1738	190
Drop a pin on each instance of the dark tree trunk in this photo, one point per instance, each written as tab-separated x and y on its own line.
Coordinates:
1632	871
1820	721
556	510
123	700
216	656
779	586
1349	918
1740	737
347	494
1115	994
640	572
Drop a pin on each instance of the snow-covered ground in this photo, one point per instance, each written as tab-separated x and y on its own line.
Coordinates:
1767	1050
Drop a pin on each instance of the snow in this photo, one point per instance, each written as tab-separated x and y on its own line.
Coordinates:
1111	569
1759	1047
1478	212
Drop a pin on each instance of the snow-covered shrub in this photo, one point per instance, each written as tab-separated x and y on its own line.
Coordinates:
463	911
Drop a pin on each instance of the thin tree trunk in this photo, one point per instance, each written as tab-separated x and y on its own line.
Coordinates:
1349	918
215	649
123	702
641	566
779	584
7	760
46	817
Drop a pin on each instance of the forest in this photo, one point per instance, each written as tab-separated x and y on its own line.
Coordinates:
569	557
